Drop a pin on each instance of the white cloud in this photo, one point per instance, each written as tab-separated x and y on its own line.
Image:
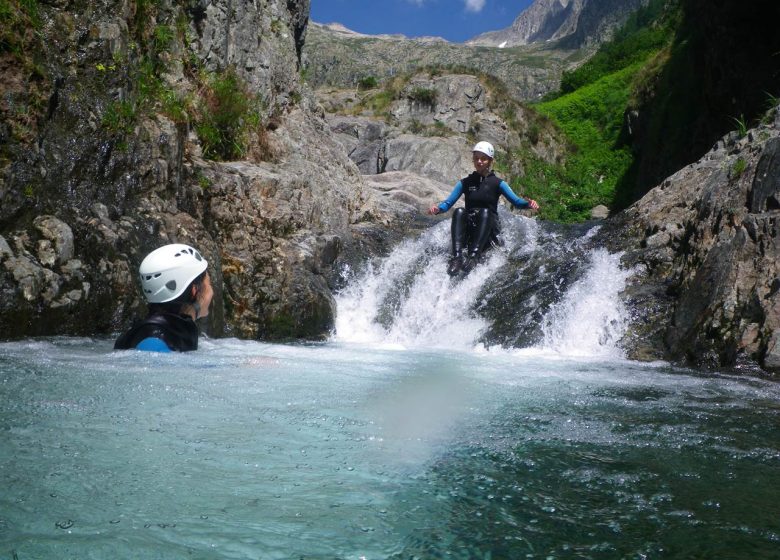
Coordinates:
475	5
416	2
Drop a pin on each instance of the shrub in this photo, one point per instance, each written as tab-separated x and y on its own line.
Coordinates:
369	82
228	111
424	96
19	20
120	117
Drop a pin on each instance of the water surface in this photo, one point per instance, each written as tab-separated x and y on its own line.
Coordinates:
249	450
404	437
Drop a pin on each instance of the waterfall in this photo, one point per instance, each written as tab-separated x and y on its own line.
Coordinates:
407	300
591	318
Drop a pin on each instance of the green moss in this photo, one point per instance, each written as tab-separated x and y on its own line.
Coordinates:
203	181
282	327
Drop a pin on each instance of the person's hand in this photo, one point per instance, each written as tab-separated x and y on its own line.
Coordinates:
532	204
433	210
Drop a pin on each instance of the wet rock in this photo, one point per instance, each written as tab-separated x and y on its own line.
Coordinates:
53	284
5	249
30	278
708	241
772	356
57	246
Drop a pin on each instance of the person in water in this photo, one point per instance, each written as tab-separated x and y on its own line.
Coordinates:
176	283
476	225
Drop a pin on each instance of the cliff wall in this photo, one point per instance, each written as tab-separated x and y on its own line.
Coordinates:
103	161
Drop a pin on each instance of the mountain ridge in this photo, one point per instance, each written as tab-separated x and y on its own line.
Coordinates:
578	23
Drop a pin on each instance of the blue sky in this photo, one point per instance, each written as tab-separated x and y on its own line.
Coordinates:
455	20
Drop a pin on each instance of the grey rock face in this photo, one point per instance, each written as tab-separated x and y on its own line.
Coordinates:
364	140
262	40
333	59
709	246
82	204
444	160
56	247
577	22
280	229
429	124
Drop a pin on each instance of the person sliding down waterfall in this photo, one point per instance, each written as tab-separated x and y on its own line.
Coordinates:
474	227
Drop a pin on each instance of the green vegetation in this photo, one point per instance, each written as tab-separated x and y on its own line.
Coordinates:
589	110
228	112
738	168
436	129
25	87
120	117
19	21
591	118
646	32
424	96
223	112
369	82
742	126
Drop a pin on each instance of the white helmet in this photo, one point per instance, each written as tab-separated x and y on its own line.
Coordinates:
166	272
484	148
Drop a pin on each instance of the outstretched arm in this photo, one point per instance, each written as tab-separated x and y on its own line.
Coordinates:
517	201
447	204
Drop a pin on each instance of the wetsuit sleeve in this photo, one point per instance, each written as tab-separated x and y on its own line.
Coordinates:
517	201
153	344
453	198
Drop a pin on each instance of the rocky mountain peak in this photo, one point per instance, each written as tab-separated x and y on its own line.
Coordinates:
578	22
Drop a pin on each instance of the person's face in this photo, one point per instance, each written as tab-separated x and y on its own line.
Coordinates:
204	295
481	162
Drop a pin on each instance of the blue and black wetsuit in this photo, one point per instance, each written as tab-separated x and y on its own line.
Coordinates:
476	225
161	332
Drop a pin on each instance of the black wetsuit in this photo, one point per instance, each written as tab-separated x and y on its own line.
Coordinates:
178	332
478	222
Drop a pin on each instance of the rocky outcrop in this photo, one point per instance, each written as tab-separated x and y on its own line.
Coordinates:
578	23
376	147
335	59
107	174
428	127
707	245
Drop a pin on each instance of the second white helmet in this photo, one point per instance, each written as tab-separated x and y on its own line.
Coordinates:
484	148
166	272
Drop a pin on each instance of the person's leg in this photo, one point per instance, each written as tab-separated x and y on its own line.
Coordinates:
458	230
479	237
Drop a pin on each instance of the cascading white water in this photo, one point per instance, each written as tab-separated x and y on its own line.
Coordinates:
412	284
407	299
591	318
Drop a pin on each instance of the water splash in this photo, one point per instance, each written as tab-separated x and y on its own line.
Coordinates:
591	318
407	300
